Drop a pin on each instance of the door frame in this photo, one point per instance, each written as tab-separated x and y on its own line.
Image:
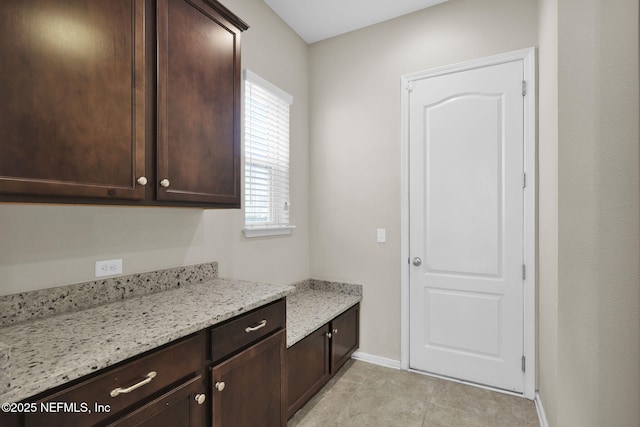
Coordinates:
528	56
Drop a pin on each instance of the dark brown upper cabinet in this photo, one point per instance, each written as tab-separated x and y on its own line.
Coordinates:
199	66
73	108
120	102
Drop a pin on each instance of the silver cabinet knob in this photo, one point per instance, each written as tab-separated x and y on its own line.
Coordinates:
200	398
335	331
165	183
220	385
417	262
329	335
142	180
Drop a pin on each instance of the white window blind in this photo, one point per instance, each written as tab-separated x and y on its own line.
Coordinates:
266	154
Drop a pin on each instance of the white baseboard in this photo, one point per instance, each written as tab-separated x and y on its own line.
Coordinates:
541	415
376	360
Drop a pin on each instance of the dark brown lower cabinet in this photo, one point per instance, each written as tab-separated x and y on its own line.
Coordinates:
8	419
308	368
249	390
170	386
165	387
182	406
314	360
344	337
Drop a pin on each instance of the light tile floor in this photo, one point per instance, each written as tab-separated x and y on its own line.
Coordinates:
367	395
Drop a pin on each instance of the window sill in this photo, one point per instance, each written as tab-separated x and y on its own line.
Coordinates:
267	231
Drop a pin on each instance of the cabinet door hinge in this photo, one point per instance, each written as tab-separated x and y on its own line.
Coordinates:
524	271
524	87
524	364
524	180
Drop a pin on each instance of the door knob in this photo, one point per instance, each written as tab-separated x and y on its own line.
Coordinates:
142	180
200	398
165	183
220	385
417	262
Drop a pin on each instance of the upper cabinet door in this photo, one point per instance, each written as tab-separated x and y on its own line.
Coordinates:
198	154
72	116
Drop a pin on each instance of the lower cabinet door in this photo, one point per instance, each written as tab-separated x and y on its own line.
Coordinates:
345	337
182	406
307	368
248	390
164	375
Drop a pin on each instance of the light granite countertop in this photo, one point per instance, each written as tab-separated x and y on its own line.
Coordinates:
51	351
309	309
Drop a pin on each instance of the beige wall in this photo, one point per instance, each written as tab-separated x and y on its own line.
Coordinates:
598	359
589	297
346	183
355	134
44	246
548	207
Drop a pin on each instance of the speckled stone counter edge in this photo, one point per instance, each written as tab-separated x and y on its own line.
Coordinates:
5	361
325	285
80	296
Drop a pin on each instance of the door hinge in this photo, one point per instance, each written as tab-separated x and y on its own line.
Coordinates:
524	271
524	364
524	180
524	87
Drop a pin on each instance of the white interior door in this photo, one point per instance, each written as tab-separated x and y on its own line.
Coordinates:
466	225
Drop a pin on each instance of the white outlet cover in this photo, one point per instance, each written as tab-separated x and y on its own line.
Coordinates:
111	267
382	235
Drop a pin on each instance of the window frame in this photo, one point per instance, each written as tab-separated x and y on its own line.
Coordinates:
271	227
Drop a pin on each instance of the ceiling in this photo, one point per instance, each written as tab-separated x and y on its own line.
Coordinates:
316	20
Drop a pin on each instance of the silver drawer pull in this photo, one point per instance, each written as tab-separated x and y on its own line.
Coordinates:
116	391
258	326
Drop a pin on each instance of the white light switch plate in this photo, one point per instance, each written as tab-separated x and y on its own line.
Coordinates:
111	267
382	235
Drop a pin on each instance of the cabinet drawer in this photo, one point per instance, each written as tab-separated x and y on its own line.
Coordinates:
178	407
152	373
247	329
